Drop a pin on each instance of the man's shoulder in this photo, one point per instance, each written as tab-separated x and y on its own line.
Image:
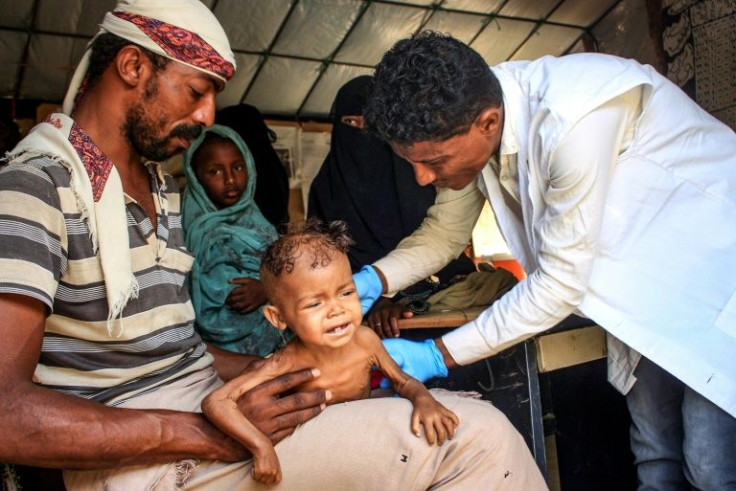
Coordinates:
34	174
592	73
32	163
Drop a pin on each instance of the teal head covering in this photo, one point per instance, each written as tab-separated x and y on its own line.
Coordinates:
227	244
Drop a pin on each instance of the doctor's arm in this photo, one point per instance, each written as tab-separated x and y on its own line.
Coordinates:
567	235
442	236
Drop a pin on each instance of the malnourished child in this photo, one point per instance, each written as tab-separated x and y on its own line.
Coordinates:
310	288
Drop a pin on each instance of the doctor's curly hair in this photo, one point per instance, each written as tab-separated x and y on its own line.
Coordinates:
429	87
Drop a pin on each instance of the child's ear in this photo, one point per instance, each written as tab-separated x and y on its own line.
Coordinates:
274	317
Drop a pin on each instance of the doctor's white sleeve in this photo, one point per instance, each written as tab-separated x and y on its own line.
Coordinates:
577	177
442	236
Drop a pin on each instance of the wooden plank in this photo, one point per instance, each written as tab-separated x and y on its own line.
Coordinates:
568	348
440	319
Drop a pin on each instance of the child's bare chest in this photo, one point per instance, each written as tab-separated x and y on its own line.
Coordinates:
348	379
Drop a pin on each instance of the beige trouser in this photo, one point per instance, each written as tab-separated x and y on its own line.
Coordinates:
361	445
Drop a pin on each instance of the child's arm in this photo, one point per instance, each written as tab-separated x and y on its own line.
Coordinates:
221	408
438	421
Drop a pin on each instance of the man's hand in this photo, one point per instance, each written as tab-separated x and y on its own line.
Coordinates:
247	297
277	415
422	360
384	317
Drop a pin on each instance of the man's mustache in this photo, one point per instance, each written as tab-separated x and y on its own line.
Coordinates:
187	131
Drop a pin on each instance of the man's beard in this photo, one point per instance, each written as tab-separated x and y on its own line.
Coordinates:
140	130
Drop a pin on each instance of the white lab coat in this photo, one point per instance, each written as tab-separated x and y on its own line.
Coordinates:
656	268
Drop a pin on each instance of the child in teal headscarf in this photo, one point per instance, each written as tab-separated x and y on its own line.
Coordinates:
226	232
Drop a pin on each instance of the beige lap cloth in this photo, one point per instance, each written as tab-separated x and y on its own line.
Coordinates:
361	445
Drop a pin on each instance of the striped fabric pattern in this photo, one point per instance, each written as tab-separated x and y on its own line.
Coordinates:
46	253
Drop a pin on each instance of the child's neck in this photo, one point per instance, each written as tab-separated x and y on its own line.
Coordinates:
322	354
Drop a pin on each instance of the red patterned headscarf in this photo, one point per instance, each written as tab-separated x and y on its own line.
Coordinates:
182	30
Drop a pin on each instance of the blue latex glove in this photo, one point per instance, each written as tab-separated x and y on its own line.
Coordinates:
369	287
422	360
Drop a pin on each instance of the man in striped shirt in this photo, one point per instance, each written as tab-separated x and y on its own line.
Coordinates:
102	370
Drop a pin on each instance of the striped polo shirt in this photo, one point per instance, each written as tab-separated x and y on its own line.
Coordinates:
46	253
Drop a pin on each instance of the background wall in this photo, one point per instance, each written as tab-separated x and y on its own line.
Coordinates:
699	41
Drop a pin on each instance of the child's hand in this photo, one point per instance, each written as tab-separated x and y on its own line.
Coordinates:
439	422
247	296
266	467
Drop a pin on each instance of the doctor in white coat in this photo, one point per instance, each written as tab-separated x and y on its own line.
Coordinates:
617	194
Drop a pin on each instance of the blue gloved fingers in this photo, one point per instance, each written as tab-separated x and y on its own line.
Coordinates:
369	287
421	360
440	369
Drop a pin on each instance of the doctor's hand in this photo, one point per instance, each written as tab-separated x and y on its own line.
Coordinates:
369	287
422	360
384	317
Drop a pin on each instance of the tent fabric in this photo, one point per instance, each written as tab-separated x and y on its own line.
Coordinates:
293	55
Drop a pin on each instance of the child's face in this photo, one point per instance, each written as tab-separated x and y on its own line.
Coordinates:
320	305
221	170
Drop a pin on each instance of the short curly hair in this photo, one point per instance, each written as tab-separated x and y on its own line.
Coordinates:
313	241
429	87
